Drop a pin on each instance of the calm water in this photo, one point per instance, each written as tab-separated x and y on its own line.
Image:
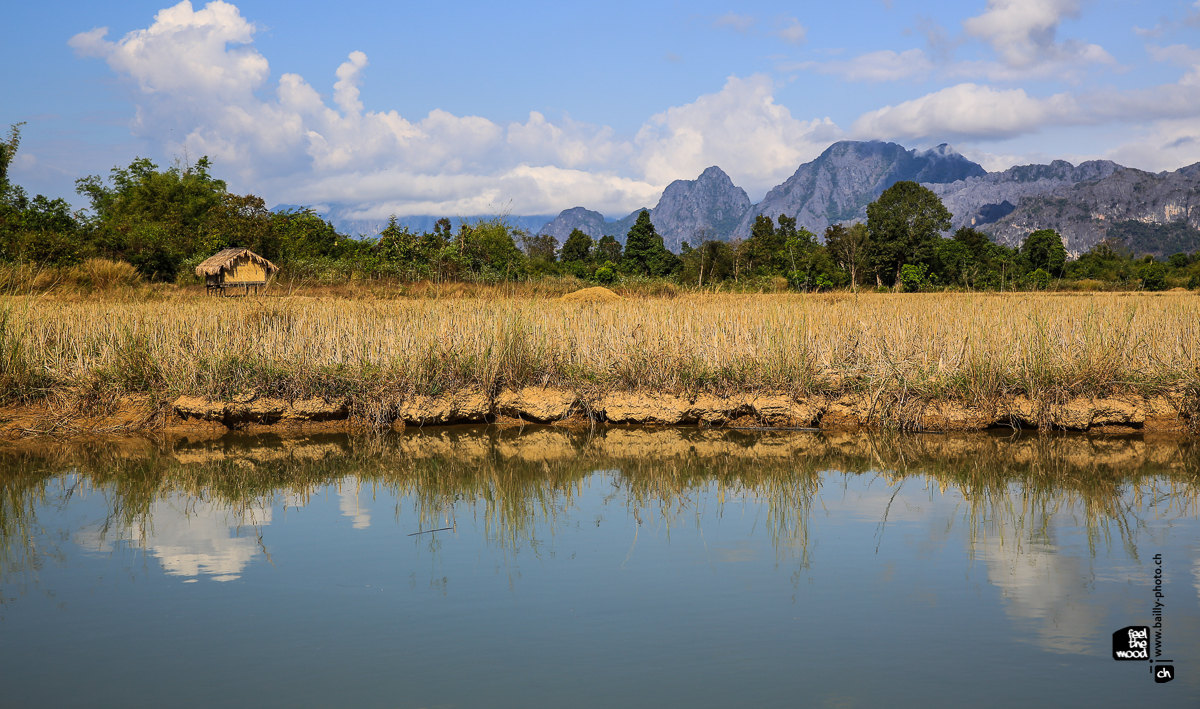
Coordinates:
627	567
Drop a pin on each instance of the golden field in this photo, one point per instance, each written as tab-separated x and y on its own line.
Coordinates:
962	346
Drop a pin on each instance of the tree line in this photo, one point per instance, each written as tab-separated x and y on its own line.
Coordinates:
165	221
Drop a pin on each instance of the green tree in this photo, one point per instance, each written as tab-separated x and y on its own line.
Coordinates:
543	247
578	247
1154	276
711	262
954	263
608	249
645	253
848	247
8	151
764	246
487	249
903	224
303	234
1044	249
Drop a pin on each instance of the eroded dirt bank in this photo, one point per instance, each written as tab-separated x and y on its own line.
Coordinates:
1167	413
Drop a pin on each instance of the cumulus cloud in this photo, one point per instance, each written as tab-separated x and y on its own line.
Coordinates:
740	128
968	111
198	75
185	50
1024	34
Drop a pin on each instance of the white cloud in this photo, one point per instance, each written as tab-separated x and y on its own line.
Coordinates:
1181	55
735	22
1163	145
741	128
185	50
199	76
791	31
884	65
1023	33
968	111
345	91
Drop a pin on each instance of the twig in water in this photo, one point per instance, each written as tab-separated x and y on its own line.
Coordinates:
427	531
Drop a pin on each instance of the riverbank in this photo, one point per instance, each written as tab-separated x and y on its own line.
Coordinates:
1170	412
930	362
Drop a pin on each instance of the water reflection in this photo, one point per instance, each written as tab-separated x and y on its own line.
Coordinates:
1047	590
568	546
191	502
350	494
189	537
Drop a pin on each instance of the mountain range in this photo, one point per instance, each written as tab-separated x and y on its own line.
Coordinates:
1155	213
1151	213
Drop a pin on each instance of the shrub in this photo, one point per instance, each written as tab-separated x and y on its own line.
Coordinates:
1039	279
913	276
1154	276
607	273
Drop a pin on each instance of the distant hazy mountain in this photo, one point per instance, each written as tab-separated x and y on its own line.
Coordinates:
591	223
708	207
418	223
849	175
1151	213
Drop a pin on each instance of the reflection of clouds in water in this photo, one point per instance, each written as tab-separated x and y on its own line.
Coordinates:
349	491
190	537
1046	588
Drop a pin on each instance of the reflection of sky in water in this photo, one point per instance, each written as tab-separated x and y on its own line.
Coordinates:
350	502
191	538
1046	588
706	596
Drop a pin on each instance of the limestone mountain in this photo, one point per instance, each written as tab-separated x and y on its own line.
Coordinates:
839	184
984	199
708	207
1150	213
591	223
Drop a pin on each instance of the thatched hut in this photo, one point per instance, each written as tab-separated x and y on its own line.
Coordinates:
235	268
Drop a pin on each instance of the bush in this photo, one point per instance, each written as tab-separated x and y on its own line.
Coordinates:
914	276
1039	279
1154	276
1193	283
607	273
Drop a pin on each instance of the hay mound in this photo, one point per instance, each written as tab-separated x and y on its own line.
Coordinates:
599	294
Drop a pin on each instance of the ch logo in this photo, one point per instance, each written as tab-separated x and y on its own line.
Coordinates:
1164	673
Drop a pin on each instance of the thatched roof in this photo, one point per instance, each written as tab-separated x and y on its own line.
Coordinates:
224	259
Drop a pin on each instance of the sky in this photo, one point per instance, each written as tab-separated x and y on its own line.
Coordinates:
372	109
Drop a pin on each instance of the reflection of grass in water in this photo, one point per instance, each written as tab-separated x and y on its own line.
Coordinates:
521	481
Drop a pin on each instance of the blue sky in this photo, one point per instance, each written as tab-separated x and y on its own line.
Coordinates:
476	108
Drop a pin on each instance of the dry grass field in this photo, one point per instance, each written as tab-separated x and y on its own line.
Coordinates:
966	347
